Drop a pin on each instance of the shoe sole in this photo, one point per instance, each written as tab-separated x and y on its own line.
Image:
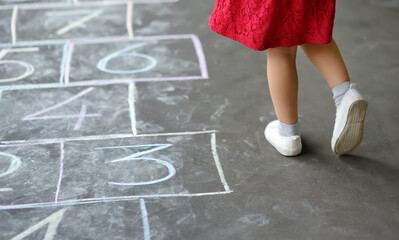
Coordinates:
352	134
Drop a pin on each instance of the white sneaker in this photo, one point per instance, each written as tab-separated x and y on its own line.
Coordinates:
349	122
287	146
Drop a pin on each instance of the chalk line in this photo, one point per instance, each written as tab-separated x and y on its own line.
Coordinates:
107	199
6	189
68	62
144	218
67	13
28	144
129	19
14	24
63	62
89	83
40	5
136	38
54	41
200	55
4	51
217	161
102	137
76	3
43	43
132	109
62	154
67	116
82	115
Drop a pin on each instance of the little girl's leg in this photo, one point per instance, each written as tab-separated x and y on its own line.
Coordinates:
351	106
327	58
282	76
283	83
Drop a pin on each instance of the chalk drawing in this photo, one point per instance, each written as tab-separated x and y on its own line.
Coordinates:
144	218
29	69
78	23
15	163
135	157
80	116
102	64
53	221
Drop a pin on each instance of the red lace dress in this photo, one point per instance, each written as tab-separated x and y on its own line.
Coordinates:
262	24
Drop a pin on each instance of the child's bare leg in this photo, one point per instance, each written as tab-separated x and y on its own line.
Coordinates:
327	58
283	83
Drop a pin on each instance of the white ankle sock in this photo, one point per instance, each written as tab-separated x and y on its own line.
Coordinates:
339	92
288	130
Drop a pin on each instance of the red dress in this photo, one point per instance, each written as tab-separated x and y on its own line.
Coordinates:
262	24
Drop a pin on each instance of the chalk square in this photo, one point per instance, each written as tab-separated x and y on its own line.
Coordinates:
30	64
29	173
152	58
97	221
5	25
64	112
149	167
71	22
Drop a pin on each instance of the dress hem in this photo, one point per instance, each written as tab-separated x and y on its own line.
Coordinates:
257	48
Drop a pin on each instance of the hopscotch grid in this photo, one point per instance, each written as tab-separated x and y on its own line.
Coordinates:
132	108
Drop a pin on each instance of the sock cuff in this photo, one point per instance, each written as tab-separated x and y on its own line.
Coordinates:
341	88
289	129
